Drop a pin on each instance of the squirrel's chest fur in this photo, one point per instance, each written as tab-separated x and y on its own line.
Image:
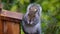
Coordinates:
31	29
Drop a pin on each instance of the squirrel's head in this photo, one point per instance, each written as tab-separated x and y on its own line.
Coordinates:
32	14
33	10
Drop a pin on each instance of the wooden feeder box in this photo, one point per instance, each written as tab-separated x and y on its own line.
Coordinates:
10	22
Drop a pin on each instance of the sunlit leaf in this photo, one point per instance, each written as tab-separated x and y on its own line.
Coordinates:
45	5
27	1
14	8
22	2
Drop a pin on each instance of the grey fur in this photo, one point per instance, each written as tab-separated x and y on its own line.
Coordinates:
35	28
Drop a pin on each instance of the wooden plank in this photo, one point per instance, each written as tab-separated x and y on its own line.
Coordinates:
12	20
1	29
12	28
1	26
10	14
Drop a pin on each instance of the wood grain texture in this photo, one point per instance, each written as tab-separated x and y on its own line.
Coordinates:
1	29
10	14
10	22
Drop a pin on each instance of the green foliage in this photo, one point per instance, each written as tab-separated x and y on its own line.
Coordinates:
14	8
50	13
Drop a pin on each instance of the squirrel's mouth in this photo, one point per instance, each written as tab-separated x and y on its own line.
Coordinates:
29	24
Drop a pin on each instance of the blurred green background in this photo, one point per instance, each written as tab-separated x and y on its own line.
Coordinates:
50	14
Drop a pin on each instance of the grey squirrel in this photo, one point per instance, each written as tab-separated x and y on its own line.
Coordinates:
31	23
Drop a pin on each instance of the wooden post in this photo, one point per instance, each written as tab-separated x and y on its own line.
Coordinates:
1	25
10	22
